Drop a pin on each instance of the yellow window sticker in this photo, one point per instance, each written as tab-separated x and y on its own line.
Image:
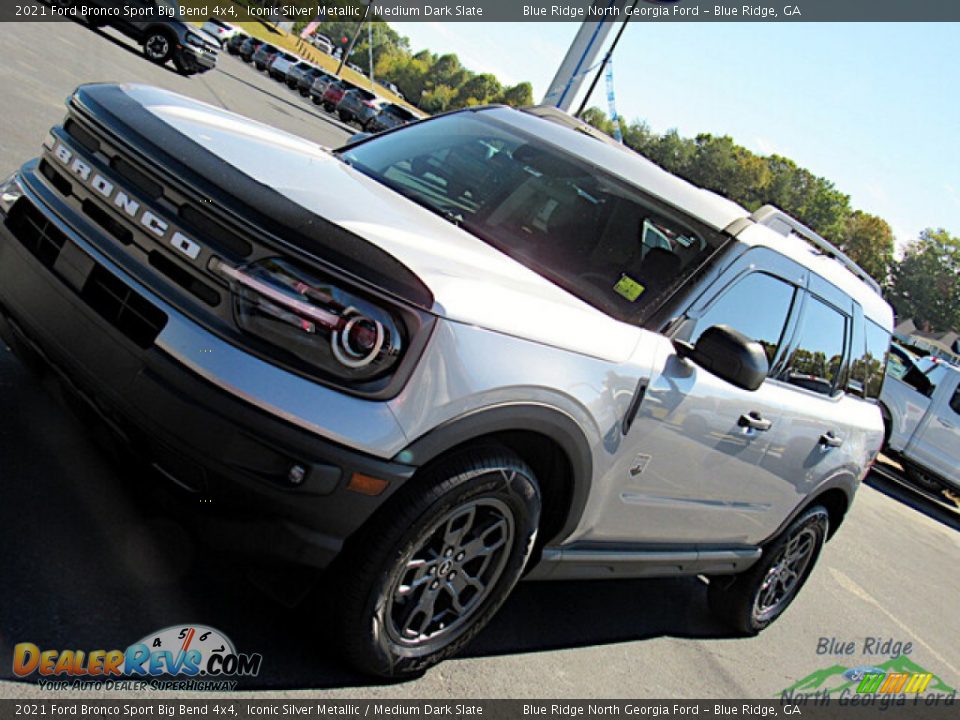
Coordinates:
629	288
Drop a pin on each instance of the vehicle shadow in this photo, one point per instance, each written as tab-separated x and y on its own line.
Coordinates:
891	483
96	557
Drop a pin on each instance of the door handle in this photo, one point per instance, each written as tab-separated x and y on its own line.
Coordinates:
754	421
828	439
946	423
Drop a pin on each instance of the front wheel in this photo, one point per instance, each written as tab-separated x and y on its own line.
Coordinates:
437	563
157	47
749	602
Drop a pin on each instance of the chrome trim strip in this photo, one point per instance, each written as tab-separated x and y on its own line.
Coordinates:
364	425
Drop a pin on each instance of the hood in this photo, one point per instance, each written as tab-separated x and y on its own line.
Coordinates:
471	281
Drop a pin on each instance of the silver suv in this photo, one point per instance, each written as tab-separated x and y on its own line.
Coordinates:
486	345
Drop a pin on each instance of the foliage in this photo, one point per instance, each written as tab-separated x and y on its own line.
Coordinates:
926	282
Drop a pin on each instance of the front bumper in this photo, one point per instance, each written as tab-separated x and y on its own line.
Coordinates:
201	59
194	422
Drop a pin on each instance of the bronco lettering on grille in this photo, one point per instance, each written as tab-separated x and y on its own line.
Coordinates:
124	203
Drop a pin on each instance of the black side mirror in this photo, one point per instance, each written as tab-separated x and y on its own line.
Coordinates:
729	355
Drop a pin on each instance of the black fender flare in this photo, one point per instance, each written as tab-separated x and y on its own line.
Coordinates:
532	417
845	481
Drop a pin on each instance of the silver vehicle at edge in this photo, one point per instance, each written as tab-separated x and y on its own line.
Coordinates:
486	345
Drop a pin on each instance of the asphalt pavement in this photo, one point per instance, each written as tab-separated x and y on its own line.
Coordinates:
92	554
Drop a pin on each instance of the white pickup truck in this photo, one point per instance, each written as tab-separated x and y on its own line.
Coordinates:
920	402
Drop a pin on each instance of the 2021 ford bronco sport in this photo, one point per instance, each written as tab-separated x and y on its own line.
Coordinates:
484	345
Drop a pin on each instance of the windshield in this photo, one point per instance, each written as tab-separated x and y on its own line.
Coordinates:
589	232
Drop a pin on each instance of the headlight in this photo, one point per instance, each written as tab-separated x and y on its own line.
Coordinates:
10	192
318	322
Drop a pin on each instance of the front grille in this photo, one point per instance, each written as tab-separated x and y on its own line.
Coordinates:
63	186
137	179
105	220
184	279
225	239
35	232
123	308
85	139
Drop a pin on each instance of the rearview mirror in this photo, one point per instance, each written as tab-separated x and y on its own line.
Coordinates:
729	355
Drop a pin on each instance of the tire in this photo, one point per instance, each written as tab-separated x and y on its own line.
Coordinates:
185	67
328	107
158	47
344	117
389	632
315	99
743	601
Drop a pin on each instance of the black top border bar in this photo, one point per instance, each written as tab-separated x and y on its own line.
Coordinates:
273	11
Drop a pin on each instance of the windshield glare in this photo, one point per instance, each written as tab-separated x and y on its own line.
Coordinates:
587	231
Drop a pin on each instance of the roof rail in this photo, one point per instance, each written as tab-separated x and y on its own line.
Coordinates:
776	219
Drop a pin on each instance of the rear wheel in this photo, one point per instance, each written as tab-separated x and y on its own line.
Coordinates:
749	602
437	563
158	47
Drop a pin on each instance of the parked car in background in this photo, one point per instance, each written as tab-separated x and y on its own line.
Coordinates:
334	94
321	43
306	82
359	105
320	86
264	54
249	48
390	116
391	87
235	43
920	403
220	30
281	64
296	73
165	36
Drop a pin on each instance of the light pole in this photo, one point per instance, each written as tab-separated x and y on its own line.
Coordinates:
353	40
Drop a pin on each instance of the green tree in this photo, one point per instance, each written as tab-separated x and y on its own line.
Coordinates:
438	99
519	95
926	282
478	90
869	241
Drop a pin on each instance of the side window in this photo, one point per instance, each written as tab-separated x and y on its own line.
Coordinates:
896	367
955	402
869	360
878	346
816	362
758	305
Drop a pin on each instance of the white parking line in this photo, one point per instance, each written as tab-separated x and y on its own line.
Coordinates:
848	583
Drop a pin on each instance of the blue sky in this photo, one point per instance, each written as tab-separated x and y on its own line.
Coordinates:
873	107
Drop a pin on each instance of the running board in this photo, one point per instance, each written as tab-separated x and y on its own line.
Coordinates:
598	562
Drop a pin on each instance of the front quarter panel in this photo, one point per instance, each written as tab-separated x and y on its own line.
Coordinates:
467	369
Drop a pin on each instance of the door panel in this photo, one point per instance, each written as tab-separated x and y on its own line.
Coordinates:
936	444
